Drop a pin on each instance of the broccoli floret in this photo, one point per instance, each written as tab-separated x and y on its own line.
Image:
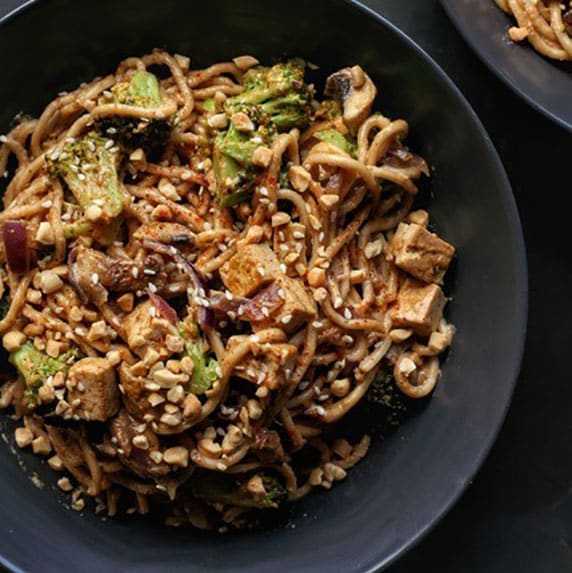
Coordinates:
277	95
275	99
142	90
334	137
35	367
89	168
206	369
234	171
384	393
214	487
275	491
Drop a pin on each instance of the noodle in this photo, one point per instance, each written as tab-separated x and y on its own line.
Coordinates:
195	292
546	24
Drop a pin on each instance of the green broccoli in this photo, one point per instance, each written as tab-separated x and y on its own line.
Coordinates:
275	99
276	95
89	168
334	137
215	487
206	369
142	90
275	491
384	393
234	171
36	366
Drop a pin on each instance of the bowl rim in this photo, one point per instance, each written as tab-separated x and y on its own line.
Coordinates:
507	199
478	48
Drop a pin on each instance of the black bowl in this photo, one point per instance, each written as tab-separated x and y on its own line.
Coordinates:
544	83
410	479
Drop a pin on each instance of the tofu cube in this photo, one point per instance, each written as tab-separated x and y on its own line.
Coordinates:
298	308
93	383
421	253
418	306
250	269
145	329
267	364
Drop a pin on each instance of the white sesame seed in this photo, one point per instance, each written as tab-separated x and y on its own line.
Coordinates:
47	204
317	324
348	313
283	268
265	311
149	272
298	235
152	288
95	278
338	302
321	410
228	295
135	272
286	319
261	271
261	377
263	191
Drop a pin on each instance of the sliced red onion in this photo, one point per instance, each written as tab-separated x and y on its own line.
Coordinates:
205	316
257	309
265	303
164	308
173	253
15	239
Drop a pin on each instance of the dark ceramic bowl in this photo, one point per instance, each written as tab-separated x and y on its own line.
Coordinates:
544	83
413	477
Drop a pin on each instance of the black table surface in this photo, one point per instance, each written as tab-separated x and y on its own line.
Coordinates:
516	516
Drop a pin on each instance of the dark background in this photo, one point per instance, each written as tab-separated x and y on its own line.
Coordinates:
517	514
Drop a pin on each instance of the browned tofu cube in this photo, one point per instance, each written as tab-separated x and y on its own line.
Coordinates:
418	306
298	308
146	329
267	364
253	267
93	392
421	253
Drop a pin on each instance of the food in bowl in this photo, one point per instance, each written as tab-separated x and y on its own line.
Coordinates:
203	271
546	24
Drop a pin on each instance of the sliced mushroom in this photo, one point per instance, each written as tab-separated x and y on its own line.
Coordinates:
353	88
124	429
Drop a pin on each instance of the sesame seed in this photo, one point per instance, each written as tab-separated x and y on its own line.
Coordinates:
286	319
321	410
109	144
111	130
152	288
317	324
338	302
263	191
95	278
348	313
304	384
149	272
135	272
283	268
260	378
261	271
298	235
47	204
228	295
265	311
